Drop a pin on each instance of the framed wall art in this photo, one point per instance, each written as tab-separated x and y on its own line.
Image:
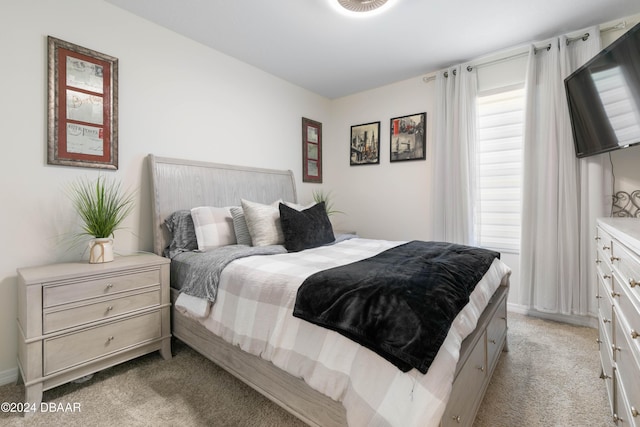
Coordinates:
311	150
365	144
83	107
408	141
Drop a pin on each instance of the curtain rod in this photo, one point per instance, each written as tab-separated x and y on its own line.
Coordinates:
619	26
585	36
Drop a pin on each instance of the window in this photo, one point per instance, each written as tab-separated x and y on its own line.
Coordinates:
499	169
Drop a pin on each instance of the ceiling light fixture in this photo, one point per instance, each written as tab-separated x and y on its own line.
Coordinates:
361	8
361	5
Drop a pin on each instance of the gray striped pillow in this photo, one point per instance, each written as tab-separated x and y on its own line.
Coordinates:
240	226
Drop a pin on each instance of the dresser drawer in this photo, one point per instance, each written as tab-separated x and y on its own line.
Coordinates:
627	365
65	316
472	376
605	275
66	351
97	287
628	266
605	309
630	312
496	331
607	362
603	247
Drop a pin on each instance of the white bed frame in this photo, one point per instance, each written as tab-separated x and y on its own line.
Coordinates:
182	184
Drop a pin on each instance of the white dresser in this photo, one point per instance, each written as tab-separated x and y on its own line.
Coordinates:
618	267
78	318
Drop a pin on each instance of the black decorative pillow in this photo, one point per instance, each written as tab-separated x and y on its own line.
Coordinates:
305	229
183	233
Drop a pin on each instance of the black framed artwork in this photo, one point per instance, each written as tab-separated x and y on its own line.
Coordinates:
365	144
407	140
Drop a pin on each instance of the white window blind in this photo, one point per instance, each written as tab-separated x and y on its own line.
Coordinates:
499	169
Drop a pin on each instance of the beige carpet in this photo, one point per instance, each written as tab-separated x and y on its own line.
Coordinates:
550	377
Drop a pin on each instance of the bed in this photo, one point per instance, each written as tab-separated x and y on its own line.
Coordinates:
320	387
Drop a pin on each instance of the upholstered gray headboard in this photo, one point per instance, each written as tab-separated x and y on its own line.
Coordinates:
184	184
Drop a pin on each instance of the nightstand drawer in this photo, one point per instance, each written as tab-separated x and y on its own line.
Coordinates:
66	316
68	350
64	294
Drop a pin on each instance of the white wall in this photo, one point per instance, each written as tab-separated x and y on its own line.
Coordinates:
177	98
389	200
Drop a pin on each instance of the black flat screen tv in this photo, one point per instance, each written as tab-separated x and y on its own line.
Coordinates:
604	98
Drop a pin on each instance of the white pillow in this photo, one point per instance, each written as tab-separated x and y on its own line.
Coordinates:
214	227
263	222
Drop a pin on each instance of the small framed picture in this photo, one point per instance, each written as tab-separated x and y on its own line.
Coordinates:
408	141
311	150
365	144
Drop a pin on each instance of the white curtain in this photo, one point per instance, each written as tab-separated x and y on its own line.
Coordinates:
562	195
454	155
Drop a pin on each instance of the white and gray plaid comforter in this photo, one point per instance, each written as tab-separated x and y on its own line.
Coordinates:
256	296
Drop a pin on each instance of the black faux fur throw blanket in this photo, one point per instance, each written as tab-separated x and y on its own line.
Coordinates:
399	303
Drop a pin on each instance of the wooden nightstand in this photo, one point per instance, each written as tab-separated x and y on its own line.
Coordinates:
75	319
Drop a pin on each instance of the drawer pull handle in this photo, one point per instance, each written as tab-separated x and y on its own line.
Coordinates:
599	297
492	341
605	248
480	368
614	348
109	308
605	320
614	258
606	276
597	238
605	377
109	286
615	294
633	283
456	418
634	334
598	261
109	339
598	341
634	412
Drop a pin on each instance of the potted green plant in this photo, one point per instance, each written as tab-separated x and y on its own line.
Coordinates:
102	205
322	196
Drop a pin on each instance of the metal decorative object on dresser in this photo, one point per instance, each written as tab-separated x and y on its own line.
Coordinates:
77	318
618	267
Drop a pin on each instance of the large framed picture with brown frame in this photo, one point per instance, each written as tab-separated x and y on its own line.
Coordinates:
365	144
82	107
407	141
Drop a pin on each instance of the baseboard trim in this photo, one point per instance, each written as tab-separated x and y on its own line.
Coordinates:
9	376
588	321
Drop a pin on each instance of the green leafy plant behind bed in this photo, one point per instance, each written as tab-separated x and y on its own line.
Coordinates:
101	204
322	196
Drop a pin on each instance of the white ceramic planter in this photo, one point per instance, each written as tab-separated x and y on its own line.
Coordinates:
100	250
